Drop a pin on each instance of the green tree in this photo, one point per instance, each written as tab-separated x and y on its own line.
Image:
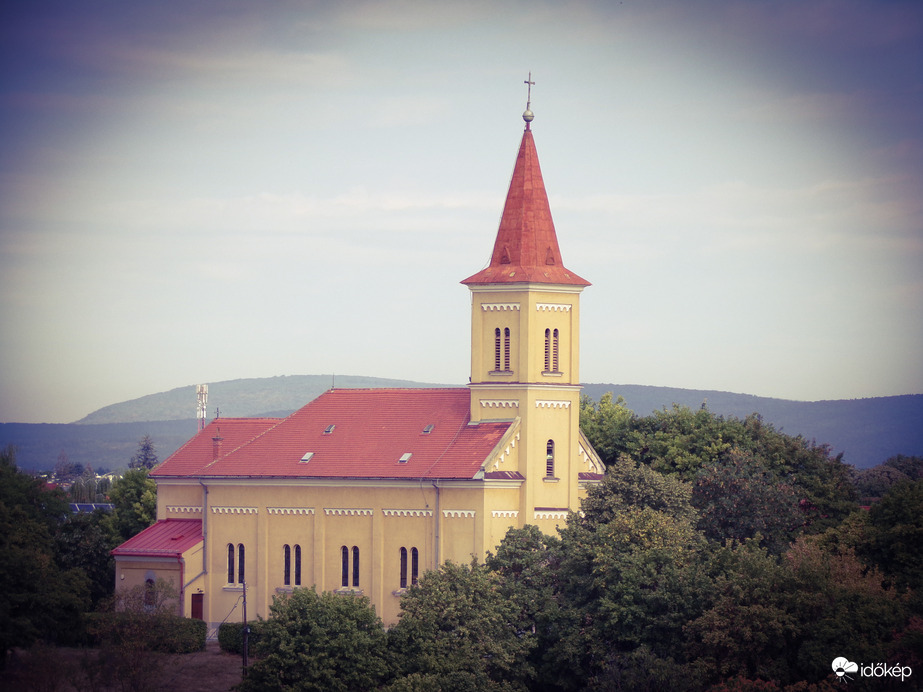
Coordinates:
134	501
894	534
739	498
323	642
610	426
629	484
458	632
82	542
38	599
841	605
626	588
145	457
912	466
746	629
874	482
525	563
680	442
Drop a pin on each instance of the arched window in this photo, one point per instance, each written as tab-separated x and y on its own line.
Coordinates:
297	565
547	350
414	566
149	593
287	565
502	349
240	564
549	459
344	558
497	348
231	570
403	581
355	566
551	350
554	351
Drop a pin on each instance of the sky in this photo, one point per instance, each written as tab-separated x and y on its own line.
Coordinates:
193	192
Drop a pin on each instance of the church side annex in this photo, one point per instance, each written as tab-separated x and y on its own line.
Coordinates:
362	490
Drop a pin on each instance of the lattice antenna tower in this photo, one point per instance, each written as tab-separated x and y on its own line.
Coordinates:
201	392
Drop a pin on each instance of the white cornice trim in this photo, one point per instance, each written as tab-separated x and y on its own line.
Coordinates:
290	510
550	514
548	403
505	513
235	510
458	513
499	306
407	512
183	510
499	403
347	512
552	307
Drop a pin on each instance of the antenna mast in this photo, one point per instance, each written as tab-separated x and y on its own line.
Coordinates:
201	391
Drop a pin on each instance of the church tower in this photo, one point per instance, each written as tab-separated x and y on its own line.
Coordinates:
525	317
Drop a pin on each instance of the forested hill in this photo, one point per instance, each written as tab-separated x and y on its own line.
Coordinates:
867	431
238	398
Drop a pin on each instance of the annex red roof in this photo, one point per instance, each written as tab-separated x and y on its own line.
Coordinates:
526	249
355	433
166	538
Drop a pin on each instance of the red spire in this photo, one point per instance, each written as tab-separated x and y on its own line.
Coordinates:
526	249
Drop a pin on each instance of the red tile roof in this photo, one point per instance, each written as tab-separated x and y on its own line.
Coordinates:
166	538
200	449
526	248
372	430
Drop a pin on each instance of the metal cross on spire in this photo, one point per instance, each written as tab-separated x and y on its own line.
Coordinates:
528	115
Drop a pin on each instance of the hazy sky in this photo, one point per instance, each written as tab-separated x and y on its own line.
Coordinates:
200	191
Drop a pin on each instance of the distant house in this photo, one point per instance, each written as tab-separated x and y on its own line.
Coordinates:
362	490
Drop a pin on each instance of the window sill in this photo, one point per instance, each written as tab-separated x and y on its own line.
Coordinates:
552	373
550	479
233	587
502	373
347	590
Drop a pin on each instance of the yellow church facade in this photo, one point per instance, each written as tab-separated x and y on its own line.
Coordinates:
362	490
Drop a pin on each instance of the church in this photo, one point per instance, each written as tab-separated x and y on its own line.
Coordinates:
362	490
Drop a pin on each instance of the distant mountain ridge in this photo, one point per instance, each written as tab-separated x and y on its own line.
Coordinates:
866	431
238	398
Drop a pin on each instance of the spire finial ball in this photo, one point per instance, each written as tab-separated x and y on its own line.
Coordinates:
528	115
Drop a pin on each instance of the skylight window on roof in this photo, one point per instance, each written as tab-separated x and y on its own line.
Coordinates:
307	457
404	459
329	429
428	429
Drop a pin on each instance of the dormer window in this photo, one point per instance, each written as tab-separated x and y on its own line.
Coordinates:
428	429
405	458
307	457
329	429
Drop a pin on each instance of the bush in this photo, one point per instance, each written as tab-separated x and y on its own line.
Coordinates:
231	636
182	635
168	634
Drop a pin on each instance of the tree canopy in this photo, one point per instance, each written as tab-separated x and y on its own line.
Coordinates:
319	642
39	598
